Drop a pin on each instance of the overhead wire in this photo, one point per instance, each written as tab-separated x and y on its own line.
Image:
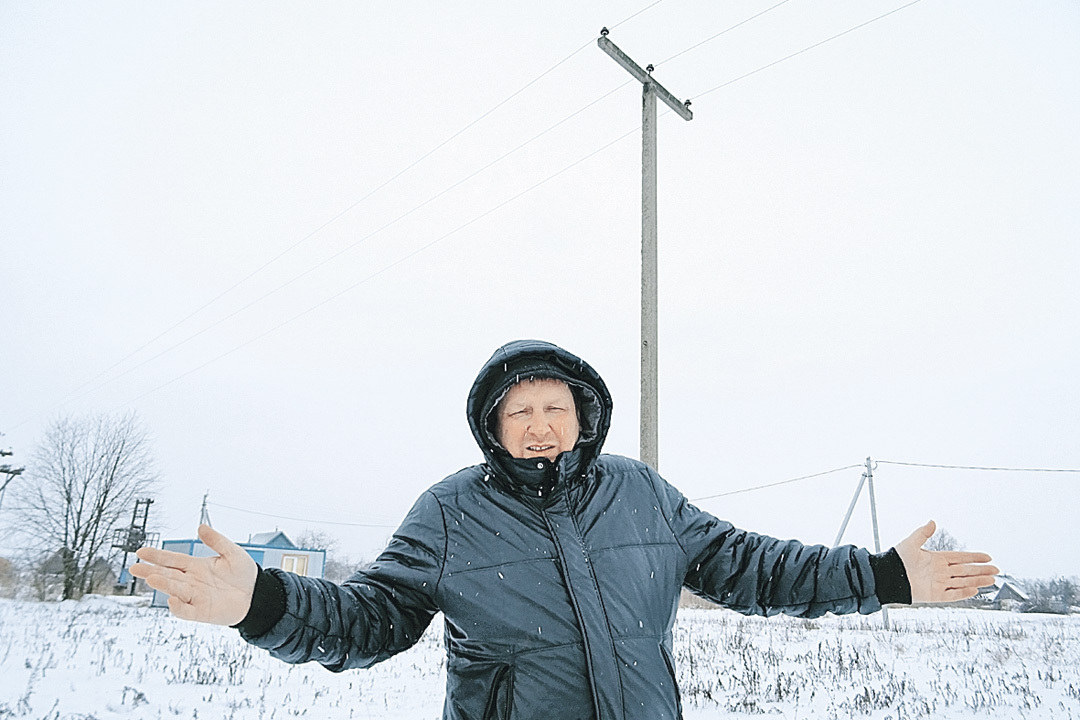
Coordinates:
298	519
887	462
631	17
345	249
697	499
978	467
719	34
775	484
431	199
458	183
385	268
69	396
804	50
475	219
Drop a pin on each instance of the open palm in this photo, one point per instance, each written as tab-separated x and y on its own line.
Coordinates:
942	576
213	590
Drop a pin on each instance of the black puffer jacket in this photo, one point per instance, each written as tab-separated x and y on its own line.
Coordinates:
559	582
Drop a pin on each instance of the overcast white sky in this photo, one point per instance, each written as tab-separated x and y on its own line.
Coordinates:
869	249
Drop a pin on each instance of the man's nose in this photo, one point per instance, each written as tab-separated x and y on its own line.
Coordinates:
538	427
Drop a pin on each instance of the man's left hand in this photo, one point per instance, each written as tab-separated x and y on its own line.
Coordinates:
942	576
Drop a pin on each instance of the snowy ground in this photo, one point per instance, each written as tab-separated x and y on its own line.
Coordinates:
102	658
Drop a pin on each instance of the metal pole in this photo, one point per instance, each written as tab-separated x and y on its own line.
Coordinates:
873	518
649	449
127	545
146	503
843	525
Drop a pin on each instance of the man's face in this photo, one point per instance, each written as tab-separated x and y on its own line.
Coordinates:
537	418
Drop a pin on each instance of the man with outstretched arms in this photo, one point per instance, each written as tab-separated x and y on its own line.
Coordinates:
557	568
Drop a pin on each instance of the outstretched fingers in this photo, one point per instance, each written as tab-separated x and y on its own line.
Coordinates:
175	587
972	581
965	558
954	594
165	558
964	573
146	572
977	572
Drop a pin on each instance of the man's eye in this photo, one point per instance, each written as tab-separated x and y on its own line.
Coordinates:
518	413
555	408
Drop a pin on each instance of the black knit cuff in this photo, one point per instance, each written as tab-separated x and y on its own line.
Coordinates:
267	605
890	578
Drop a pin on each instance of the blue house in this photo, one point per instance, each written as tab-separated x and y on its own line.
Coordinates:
269	549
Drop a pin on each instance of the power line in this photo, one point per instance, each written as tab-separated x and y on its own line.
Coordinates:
888	462
978	467
722	32
706	497
339	253
307	520
361	240
456	184
72	394
805	49
321	227
399	218
465	179
381	270
631	17
496	160
782	482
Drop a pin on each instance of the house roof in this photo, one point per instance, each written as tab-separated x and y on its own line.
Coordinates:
1007	587
271	539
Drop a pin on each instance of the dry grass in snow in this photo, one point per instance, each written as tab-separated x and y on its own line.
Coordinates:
103	659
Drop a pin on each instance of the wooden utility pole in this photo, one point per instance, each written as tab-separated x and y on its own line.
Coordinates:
649	448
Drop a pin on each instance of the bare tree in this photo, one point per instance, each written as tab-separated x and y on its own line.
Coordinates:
338	567
1059	595
943	540
82	484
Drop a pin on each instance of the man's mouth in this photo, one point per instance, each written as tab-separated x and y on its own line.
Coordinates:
539	448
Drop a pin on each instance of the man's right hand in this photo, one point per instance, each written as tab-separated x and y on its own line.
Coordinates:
214	590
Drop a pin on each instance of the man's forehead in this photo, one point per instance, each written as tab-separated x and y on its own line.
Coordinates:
544	385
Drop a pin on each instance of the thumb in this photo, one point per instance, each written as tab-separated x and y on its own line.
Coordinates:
217	542
924	533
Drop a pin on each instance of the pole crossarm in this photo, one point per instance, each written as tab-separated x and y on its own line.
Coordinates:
644	77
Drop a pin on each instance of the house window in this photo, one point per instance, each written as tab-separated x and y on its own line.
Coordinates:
294	564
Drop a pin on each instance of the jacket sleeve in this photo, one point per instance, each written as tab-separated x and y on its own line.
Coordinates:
378	612
760	575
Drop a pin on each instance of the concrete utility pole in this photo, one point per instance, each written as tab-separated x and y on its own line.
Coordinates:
649	448
867	479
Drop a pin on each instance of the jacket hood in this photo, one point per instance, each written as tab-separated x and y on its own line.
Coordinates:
535	359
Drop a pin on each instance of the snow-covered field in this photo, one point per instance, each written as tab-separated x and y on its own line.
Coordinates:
103	658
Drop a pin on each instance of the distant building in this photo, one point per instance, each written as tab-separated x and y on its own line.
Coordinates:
1007	593
99	573
269	549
